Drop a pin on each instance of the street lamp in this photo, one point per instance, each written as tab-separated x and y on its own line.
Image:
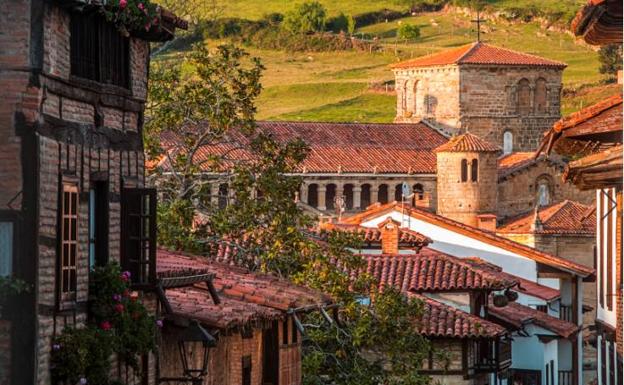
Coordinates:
193	342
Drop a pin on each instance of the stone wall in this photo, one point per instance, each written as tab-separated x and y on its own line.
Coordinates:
428	93
517	193
463	201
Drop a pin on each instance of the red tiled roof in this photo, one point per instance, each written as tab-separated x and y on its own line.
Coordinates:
479	53
430	271
473	232
374	235
525	286
599	22
588	113
341	147
264	295
516	161
467	143
441	320
567	217
520	315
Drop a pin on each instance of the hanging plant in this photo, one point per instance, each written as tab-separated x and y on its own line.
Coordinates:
118	323
132	15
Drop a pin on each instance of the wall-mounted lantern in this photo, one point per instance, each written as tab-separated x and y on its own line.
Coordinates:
194	344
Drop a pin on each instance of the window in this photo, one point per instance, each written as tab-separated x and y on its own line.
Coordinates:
474	170
98	224
138	231
543	192
507	142
524	97
246	366
419	191
313	195
542	308
464	170
365	199
98	50
68	244
7	242
382	194
540	95
223	195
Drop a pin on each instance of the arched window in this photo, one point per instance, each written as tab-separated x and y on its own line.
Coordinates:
507	142
330	196
415	96
313	195
419	191
382	193
543	192
540	95
524	97
474	170
348	194
398	193
365	198
464	170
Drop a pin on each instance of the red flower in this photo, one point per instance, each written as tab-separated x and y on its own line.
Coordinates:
123	3
140	6
119	308
126	293
105	325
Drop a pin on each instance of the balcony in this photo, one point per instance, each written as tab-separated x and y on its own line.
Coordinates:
491	355
566	377
566	313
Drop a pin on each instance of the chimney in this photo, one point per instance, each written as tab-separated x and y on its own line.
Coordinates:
389	236
486	222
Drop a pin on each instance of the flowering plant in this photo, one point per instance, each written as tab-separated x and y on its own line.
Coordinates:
118	323
132	15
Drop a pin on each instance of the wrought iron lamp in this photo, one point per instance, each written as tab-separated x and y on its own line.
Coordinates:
194	344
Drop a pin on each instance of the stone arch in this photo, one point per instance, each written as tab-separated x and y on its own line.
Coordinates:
524	97
330	195
382	193
313	195
365	197
544	190
507	142
474	170
464	170
398	192
348	196
540	97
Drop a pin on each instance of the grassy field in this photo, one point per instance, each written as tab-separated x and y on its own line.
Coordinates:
588	96
333	86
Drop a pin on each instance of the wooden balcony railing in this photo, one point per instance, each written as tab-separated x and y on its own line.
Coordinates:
565	313
566	377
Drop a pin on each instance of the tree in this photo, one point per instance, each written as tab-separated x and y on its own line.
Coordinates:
305	18
408	31
351	24
610	57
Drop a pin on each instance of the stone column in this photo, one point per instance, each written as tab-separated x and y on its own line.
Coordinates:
374	193
303	195
339	194
321	197
357	197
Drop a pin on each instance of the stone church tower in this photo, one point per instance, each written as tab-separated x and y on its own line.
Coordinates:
505	97
467	182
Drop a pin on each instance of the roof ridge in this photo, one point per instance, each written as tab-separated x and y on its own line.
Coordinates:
468	51
525	54
587	113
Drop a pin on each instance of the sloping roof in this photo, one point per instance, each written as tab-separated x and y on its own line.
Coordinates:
599	170
340	147
599	22
564	218
479	53
374	235
473	232
519	315
245	295
430	271
509	164
467	143
441	320
524	286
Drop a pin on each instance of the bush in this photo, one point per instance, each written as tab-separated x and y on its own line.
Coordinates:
370	18
274	18
408	32
307	17
338	23
610	57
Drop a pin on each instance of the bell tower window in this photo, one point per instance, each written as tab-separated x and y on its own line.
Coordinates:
464	170
474	170
507	142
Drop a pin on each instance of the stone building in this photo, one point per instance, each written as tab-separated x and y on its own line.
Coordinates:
71	169
505	97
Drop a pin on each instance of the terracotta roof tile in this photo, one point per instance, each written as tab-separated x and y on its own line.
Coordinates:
519	315
479	53
567	217
374	235
473	232
517	161
441	320
430	271
467	143
342	147
599	22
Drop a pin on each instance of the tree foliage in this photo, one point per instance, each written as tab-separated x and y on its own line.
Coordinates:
307	17
408	31
372	344
610	57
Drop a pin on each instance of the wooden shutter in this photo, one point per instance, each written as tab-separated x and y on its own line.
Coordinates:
68	245
138	234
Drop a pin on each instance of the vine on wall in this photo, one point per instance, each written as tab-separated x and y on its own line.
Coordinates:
119	323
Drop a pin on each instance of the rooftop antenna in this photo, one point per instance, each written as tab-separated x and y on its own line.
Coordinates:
478	21
406	193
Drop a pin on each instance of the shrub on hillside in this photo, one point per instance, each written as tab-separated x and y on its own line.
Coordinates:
610	57
408	31
305	18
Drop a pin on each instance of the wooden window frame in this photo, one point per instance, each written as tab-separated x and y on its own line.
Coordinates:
68	253
142	266
12	218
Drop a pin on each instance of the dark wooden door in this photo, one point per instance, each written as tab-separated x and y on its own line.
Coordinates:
270	355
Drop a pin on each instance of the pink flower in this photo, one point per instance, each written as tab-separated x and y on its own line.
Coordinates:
123	3
125	276
116	297
140	6
159	323
119	308
147	26
105	325
155	21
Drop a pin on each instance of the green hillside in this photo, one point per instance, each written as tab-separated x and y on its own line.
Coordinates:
334	86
